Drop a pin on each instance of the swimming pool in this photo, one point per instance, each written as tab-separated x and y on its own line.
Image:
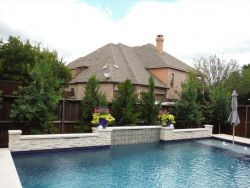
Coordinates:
200	163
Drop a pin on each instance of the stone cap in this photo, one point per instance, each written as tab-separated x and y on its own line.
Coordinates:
168	128
127	127
208	126
14	132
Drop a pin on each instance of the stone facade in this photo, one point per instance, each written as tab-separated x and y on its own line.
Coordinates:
103	137
168	133
18	142
174	81
109	89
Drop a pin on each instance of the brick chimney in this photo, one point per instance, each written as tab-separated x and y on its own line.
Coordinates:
159	43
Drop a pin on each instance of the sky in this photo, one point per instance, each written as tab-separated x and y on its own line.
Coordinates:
75	28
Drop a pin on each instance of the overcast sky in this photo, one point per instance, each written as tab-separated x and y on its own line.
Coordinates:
75	28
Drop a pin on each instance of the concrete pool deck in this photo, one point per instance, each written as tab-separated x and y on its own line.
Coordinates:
237	139
8	174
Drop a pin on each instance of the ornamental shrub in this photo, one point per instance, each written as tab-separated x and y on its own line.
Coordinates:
92	99
124	107
148	109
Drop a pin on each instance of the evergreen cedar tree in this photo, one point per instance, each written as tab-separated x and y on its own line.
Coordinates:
124	108
93	98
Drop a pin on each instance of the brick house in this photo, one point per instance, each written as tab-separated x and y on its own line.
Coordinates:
114	63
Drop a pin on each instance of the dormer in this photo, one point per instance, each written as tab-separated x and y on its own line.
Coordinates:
76	71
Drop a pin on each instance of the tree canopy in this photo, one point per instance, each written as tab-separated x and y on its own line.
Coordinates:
214	70
17	59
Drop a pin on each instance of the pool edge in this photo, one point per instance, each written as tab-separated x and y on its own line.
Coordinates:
61	150
185	139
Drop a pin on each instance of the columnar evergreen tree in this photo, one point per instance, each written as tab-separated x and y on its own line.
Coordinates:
220	106
148	109
187	110
124	104
92	98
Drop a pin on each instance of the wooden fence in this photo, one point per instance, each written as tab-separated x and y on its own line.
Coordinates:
243	129
69	115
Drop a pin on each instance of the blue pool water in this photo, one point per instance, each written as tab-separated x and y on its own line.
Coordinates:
202	163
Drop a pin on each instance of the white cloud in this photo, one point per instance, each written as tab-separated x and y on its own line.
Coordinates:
191	28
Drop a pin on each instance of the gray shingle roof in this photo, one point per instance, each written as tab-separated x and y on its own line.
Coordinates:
152	59
132	63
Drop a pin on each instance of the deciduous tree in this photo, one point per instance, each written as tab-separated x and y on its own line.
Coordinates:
220	106
214	70
17	59
37	102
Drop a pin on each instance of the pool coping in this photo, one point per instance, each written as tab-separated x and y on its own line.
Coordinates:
8	173
229	138
60	150
185	139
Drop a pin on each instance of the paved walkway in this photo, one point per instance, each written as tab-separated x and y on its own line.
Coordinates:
8	174
237	139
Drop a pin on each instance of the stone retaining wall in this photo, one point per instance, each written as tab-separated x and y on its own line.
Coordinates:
103	137
168	134
18	142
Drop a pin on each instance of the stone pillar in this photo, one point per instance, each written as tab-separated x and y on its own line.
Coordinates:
14	137
166	133
209	128
104	135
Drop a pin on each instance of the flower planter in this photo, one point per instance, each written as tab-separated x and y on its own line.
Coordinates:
103	122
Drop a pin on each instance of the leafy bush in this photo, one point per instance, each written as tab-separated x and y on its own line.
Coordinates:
165	118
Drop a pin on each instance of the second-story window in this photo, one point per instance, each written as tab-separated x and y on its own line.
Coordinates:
172	80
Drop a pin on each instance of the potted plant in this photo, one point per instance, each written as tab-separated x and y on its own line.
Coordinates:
167	120
102	117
